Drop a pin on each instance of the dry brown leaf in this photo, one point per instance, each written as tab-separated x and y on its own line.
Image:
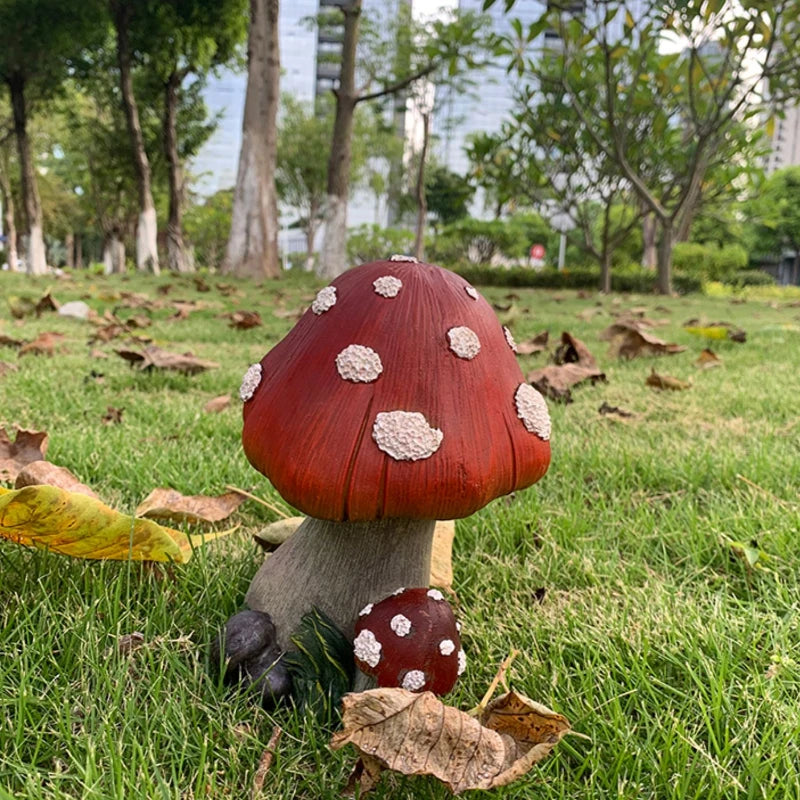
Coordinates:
8	341
588	314
154	357
615	411
46	303
138	321
200	284
129	642
27	446
172	505
5	368
708	359
135	300
43	472
666	382
535	345
244	320
113	416
417	734
182	310
629	341
556	381
621	326
44	344
573	351
217	404
276	533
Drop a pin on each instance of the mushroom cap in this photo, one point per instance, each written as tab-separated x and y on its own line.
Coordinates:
410	639
397	394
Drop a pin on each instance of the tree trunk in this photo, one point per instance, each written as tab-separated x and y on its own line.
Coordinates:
9	224
605	272
333	259
422	204
796	270
664	274
253	244
35	257
147	228
113	254
649	229
339	567
79	252
179	258
311	234
69	247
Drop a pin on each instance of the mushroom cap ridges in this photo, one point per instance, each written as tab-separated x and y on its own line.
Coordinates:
409	629
311	432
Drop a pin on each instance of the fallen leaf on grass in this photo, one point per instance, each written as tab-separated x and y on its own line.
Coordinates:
172	505
72	524
588	314
535	345
276	533
708	359
8	341
217	404
113	416
417	734
154	357
629	341
716	331
556	381
43	472
46	303
27	446
5	368
43	345
129	642
244	320
666	382
615	411
573	351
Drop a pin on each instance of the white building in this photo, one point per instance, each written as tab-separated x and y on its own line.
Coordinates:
785	141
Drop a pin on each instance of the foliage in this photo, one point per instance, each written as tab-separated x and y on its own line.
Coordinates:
447	194
208	225
373	242
708	262
749	277
478	241
493	168
776	209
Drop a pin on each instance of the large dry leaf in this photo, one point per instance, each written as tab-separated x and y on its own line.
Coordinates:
537	344
153	357
556	381
8	341
43	472
629	341
75	525
243	320
276	533
666	382
27	446
172	505
417	734
44	344
717	330
573	351
708	359
217	404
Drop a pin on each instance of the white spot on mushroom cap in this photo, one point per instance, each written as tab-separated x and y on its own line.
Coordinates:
367	648
398	591
532	410
446	647
472	292
325	299
405	435
462	662
435	594
398	257
510	339
366	610
359	364
387	286
250	382
414	680
400	624
464	342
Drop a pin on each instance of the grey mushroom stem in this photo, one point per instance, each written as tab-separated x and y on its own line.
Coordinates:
340	567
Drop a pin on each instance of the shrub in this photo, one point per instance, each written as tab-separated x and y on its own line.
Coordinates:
372	243
750	277
208	227
478	241
708	262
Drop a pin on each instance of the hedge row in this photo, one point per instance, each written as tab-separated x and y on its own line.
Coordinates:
583	278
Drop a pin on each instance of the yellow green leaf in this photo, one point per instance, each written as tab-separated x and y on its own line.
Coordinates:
76	525
710	332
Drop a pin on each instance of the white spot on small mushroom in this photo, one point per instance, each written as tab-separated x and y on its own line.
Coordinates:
464	342
446	647
414	680
458	627
366	610
359	364
405	435
462	662
398	591
410	259
387	286
532	410
400	624
435	594
510	339
250	382
367	648
472	292
325	299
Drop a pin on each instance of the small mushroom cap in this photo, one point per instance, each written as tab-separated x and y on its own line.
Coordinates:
399	399
410	639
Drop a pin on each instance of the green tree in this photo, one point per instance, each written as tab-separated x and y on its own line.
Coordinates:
42	38
664	118
208	225
448	195
493	169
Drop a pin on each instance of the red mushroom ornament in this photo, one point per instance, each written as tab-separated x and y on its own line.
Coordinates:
396	400
410	640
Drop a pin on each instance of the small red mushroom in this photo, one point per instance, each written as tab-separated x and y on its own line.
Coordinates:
410	640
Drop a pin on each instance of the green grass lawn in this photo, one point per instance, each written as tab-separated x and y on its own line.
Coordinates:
615	575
